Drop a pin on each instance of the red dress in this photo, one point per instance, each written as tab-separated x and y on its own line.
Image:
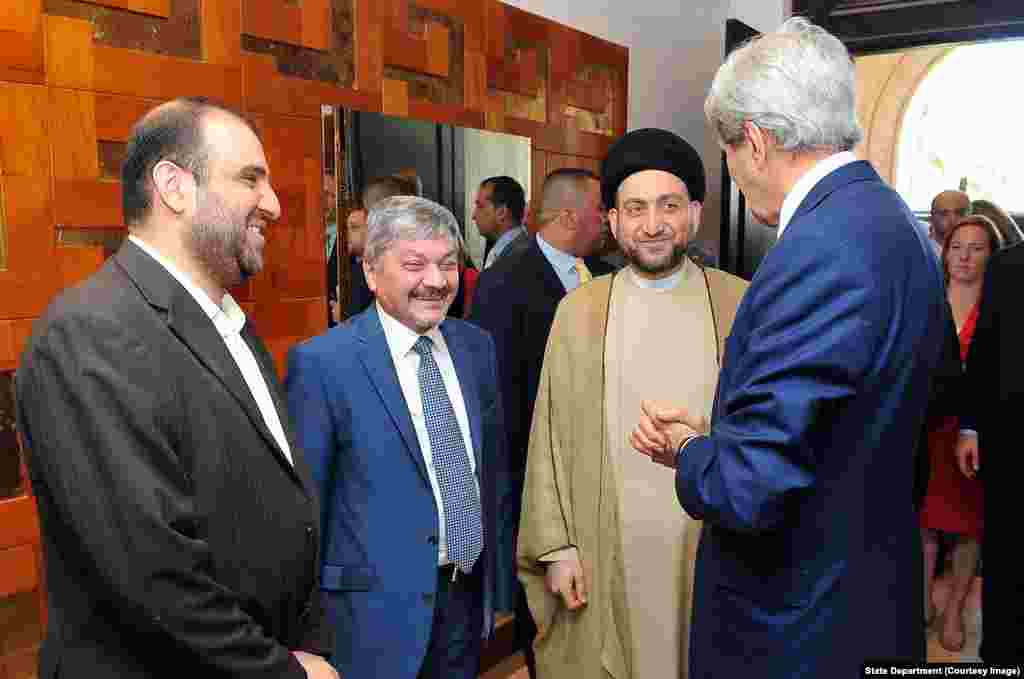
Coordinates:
953	503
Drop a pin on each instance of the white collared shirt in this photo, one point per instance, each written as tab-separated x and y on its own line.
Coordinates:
822	169
400	341
562	262
229	319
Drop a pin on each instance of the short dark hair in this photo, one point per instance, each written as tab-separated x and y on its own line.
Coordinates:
389	186
507	192
555	188
173	133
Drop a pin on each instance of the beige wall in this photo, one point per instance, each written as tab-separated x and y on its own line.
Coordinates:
885	85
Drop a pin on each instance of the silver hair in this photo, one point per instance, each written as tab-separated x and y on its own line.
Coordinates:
797	84
408	218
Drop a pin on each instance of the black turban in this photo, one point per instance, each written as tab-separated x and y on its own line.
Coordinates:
651	149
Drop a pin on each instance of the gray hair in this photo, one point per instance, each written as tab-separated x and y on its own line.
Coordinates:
797	84
407	218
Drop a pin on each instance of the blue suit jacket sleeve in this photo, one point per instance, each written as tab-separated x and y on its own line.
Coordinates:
309	408
805	336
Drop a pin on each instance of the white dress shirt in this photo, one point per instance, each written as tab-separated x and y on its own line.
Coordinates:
810	179
562	262
229	319
400	341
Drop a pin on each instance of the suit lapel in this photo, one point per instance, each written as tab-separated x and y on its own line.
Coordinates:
847	174
546	273
376	358
266	363
461	359
187	320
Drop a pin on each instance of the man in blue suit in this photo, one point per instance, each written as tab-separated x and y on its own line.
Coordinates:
399	412
810	561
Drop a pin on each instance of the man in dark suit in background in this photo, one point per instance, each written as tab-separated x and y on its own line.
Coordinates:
179	519
498	211
992	409
515	301
400	413
805	478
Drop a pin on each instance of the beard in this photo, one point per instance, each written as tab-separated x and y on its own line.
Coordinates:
221	240
655	264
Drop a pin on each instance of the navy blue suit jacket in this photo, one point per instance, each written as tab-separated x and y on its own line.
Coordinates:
379	516
810	560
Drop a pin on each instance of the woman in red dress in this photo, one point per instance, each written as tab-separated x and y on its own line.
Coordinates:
954	503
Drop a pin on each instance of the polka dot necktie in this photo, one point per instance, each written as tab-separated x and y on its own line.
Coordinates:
462	523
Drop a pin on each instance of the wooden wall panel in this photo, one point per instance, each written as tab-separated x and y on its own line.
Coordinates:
476	64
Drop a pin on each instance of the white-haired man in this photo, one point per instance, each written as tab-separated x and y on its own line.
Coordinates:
810	560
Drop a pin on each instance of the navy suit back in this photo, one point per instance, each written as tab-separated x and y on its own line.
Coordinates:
822	396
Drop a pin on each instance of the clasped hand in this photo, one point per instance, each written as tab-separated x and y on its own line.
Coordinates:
662	430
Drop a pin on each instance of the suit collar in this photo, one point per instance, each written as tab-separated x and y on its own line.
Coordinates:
375	355
857	171
380	367
196	330
542	267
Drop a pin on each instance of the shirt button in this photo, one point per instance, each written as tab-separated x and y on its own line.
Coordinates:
428	598
432	540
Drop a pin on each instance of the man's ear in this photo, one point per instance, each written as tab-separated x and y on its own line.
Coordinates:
501	213
174	186
371	276
759	141
613	224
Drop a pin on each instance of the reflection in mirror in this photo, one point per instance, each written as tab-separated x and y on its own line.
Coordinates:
334	238
378	156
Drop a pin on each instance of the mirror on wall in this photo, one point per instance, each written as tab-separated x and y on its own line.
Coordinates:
389	155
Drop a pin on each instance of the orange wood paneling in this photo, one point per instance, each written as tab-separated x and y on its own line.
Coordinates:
78	263
86	204
475	90
73	135
266	91
115	115
69	52
316	24
445	113
154	76
222	31
18	570
21	45
159	8
19	524
405	51
395	98
437	49
273	20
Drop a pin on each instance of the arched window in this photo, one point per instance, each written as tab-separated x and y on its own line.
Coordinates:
961	129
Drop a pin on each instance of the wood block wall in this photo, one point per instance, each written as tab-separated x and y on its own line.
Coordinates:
75	74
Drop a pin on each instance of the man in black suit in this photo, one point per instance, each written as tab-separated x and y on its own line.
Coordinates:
995	400
515	301
179	519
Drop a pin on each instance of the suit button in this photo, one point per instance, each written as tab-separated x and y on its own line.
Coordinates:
428	599
309	530
432	540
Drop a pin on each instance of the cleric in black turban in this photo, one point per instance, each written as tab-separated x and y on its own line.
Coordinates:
651	149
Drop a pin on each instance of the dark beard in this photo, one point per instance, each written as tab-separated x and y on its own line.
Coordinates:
673	261
219	243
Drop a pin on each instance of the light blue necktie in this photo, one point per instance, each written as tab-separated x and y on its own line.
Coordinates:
462	524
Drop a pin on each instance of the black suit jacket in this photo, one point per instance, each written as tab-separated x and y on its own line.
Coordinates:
179	540
995	401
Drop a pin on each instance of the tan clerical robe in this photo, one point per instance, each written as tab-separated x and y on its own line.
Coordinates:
584	486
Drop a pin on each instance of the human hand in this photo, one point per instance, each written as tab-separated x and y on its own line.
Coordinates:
315	666
968	458
565	578
662	430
